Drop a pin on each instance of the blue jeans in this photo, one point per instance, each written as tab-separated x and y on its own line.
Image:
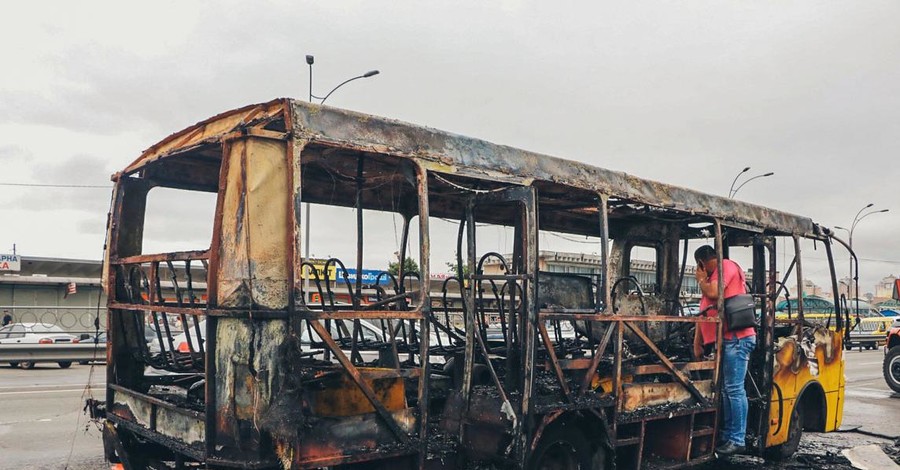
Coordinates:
734	403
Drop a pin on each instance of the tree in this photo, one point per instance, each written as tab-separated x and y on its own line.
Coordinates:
409	266
451	265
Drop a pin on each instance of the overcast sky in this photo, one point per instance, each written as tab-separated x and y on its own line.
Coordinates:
687	93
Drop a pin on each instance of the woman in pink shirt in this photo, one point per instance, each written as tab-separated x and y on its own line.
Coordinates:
736	345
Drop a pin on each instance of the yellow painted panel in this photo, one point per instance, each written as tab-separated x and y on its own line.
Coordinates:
344	398
234	268
268	196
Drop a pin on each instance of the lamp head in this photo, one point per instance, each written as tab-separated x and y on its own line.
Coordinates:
870	205
370	73
310	59
769	174
745	170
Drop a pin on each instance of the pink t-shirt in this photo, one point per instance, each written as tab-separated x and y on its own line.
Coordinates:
733	277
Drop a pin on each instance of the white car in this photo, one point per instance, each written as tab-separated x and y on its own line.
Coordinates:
35	333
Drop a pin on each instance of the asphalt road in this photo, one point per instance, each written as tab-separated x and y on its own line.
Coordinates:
43	426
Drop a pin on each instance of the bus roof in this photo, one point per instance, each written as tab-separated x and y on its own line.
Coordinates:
450	153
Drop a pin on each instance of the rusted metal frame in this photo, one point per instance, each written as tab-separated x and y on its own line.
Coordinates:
560	376
385	301
154	298
184	324
555	315
800	325
424	287
839	321
361	314
348	129
212	291
528	198
401	288
336	262
190	282
355	375
157	402
683	379
161	257
314	273
356	297
512	339
490	278
595	361
115	215
467	224
164	308
617	373
257	132
684	367
487	360
720	305
165	321
768	325
294	155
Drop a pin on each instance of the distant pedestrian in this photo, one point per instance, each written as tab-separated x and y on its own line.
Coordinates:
7	318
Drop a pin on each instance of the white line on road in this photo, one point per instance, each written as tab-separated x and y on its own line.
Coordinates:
867	393
28	392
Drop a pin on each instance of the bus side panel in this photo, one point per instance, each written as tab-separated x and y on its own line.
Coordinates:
794	372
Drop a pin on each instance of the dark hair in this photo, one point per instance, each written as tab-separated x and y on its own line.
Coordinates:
705	253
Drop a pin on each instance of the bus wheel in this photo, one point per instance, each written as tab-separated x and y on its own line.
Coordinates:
566	448
891	369
795	432
26	365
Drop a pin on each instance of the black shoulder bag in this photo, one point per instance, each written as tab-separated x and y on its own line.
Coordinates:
740	312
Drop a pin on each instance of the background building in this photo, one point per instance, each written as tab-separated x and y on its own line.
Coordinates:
54	291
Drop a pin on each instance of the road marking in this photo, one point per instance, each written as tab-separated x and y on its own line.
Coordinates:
867	393
28	392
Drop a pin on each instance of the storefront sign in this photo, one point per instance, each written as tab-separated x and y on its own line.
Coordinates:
10	263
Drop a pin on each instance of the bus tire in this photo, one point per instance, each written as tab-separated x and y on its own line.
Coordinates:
14	364
891	368
64	364
565	447
795	432
26	365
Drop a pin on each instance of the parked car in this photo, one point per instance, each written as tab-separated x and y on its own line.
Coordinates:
100	340
868	329
35	333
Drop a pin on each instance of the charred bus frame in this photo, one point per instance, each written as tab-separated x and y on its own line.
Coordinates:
268	381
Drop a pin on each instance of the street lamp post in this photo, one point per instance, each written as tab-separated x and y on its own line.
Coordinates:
734	193
310	60
731	189
856	220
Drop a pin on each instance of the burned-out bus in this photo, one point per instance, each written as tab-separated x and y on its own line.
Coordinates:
265	369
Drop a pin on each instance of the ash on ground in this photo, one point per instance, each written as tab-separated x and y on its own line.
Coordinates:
818	451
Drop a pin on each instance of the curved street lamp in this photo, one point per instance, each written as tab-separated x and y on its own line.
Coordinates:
734	193
370	73
731	189
310	60
852	228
